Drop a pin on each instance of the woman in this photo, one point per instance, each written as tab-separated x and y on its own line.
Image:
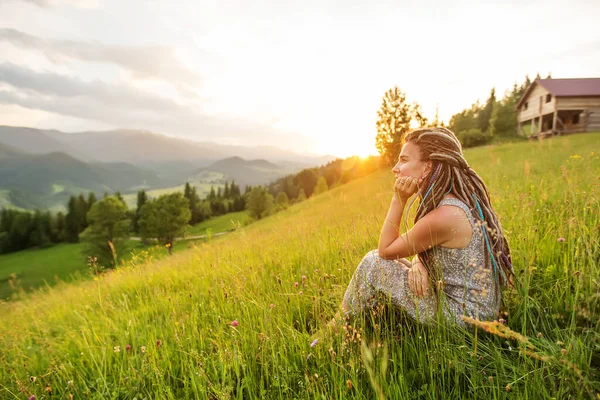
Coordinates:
463	259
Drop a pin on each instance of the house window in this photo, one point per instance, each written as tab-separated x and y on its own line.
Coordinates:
575	119
525	105
548	98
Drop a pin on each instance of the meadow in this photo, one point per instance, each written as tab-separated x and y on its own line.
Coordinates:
29	270
236	317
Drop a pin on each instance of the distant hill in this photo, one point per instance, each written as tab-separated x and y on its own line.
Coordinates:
245	172
42	168
36	141
140	147
7	151
47	181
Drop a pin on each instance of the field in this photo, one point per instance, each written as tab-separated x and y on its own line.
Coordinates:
28	270
223	223
235	317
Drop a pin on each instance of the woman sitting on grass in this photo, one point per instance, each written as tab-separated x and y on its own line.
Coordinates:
463	260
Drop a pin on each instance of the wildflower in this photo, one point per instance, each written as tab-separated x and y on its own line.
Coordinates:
303	278
234	323
349	384
490	379
128	347
539	335
117	349
300	292
143	349
32	379
508	388
32	397
70	383
296	284
158	343
561	239
563	351
314	343
272	306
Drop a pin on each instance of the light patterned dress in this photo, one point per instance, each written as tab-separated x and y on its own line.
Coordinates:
465	281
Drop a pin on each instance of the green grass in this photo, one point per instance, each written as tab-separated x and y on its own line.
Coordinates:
27	270
34	268
176	312
223	223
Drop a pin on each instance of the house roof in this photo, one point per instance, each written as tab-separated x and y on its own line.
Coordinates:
574	87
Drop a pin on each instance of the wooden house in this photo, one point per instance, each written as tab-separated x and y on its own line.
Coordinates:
556	106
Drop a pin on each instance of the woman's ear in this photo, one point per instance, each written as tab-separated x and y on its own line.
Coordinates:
427	170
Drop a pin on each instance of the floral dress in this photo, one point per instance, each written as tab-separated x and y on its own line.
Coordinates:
466	284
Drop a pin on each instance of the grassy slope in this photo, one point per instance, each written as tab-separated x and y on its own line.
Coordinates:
64	262
223	223
542	191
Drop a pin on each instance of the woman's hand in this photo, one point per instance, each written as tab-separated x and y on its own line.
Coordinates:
406	186
418	279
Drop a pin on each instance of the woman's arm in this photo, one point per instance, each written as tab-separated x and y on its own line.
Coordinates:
418	278
433	229
389	231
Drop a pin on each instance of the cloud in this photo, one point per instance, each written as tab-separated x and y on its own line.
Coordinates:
50	3
117	95
159	62
122	105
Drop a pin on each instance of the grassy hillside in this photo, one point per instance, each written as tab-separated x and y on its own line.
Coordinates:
223	223
163	329
28	270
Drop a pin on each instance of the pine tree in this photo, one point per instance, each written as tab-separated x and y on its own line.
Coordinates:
485	115
321	186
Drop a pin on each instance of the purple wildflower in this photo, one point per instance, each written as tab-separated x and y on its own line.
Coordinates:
314	343
234	323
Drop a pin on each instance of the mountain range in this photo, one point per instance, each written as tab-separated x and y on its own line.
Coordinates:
42	168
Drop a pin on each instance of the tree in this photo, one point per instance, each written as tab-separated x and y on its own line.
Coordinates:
321	186
485	115
282	201
393	122
142	198
73	220
91	201
301	196
260	203
107	234
504	118
165	218
465	120
307	180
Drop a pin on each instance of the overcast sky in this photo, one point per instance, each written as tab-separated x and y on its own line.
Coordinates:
307	74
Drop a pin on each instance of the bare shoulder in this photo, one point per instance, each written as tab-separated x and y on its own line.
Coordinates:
446	216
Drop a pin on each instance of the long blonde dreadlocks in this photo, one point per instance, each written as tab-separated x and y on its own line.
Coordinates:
452	173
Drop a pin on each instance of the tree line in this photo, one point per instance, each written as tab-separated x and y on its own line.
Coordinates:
20	230
496	119
475	126
314	181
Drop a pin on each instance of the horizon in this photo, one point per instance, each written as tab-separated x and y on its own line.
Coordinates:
302	77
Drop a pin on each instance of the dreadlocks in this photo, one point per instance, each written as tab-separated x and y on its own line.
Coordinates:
452	173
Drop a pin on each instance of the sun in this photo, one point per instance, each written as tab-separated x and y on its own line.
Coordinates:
349	146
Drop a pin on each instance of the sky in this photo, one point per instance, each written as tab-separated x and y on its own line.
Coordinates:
303	75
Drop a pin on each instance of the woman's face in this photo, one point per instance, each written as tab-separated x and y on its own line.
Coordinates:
410	163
